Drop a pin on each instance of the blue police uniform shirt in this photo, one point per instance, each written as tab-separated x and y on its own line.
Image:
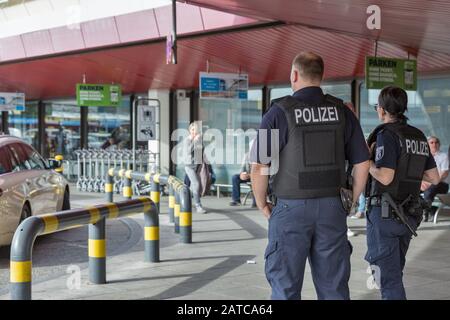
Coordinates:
388	152
356	150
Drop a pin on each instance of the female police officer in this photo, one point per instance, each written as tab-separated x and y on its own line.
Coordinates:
400	161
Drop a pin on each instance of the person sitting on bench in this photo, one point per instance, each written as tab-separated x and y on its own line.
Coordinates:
430	190
242	177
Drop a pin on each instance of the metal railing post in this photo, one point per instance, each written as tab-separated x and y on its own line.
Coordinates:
177	210
171	204
151	233
155	194
180	203
109	185
21	251
97	252
185	215
30	228
127	190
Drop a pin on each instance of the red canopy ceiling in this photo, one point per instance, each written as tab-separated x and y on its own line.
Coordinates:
420	24
264	52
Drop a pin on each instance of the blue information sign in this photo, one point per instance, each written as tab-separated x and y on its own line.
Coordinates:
12	101
223	86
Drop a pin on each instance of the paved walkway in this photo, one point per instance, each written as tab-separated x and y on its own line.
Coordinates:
225	260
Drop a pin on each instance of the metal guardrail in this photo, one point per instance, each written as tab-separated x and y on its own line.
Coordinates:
95	217
92	165
180	204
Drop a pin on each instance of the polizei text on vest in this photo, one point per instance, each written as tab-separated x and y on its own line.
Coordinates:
417	147
316	115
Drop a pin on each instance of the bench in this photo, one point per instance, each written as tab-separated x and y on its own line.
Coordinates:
220	185
444	201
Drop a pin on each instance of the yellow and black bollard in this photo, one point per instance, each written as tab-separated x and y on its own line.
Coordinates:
151	231
59	158
97	248
20	279
109	186
171	204
155	194
21	252
177	210
30	228
127	190
185	215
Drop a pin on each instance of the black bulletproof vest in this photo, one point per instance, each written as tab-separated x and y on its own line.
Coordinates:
312	164
410	165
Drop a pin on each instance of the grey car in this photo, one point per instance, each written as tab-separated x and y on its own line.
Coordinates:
28	186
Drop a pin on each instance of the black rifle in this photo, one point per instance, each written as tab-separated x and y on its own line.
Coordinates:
387	202
347	200
346	192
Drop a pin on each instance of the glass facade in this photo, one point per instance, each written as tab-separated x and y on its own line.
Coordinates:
183	118
428	109
106	122
223	115
62	129
24	124
339	90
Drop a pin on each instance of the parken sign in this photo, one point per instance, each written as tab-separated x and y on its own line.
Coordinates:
99	95
382	72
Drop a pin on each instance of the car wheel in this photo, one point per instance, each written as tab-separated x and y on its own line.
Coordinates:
26	212
66	201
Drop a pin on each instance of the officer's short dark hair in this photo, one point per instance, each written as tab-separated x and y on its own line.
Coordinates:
309	65
394	100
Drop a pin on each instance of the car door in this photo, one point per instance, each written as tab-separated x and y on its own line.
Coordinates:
11	196
44	179
54	181
30	179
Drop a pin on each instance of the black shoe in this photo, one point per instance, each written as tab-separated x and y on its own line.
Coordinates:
425	217
235	203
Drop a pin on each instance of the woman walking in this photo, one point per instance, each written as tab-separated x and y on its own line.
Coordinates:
194	147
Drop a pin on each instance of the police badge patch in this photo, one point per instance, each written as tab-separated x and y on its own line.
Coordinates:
380	153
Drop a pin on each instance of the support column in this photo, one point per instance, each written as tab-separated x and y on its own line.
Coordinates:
265	99
355	97
164	127
5	124
173	117
84	127
41	141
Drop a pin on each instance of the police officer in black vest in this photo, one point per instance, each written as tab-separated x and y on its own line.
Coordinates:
313	135
400	160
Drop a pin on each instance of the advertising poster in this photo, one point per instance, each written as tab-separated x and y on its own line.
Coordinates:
12	101
223	86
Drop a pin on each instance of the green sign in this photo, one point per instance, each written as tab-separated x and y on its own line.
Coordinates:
95	95
382	72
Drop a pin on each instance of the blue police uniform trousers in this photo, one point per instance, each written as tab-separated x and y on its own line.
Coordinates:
313	229
387	243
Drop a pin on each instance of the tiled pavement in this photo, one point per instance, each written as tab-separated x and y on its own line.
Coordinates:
215	265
